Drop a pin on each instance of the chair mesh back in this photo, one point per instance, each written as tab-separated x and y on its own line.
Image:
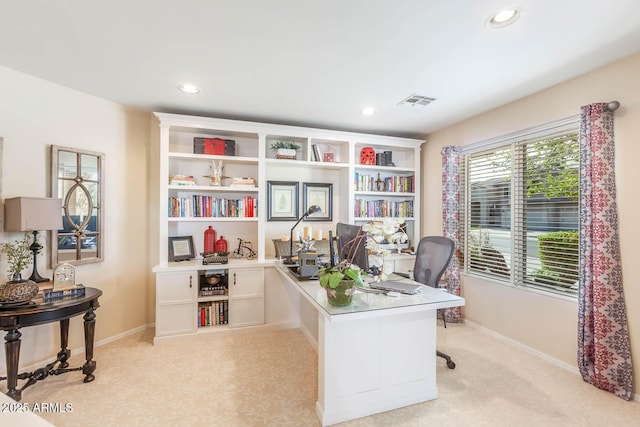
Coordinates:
432	258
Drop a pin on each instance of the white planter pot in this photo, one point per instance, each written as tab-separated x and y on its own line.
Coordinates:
286	153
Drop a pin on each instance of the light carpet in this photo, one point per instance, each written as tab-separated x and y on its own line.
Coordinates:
270	379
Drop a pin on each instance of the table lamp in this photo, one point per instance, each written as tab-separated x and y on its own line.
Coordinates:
313	209
33	214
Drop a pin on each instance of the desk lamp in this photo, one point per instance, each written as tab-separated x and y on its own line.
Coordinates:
313	209
33	214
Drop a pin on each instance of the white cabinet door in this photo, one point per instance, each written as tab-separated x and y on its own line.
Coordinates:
176	303
246	282
246	297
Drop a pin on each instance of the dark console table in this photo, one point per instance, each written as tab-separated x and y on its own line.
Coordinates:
40	312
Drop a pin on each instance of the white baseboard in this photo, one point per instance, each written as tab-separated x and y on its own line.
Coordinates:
117	337
224	331
557	362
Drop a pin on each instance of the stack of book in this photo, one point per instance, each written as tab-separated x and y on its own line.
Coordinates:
243	182
182	180
59	293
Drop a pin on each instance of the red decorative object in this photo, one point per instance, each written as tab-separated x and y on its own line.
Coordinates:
221	245
367	156
209	240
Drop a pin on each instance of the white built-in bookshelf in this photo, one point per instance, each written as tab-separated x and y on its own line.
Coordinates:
188	203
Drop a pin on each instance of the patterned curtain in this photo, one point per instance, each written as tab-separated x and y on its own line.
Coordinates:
603	339
451	222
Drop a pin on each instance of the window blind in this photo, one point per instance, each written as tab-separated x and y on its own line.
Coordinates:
521	212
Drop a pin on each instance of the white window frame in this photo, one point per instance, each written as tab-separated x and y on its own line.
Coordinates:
560	127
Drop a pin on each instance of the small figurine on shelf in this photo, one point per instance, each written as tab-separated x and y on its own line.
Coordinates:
221	245
381	185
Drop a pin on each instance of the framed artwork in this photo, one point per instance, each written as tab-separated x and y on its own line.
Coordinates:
181	248
318	194
282	201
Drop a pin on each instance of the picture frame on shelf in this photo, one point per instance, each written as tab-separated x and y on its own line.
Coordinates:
282	200
181	248
320	194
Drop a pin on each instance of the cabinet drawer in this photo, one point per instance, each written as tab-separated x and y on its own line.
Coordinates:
179	286
246	282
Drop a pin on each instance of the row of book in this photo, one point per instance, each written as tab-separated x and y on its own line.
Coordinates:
199	206
383	208
391	184
213	313
317	156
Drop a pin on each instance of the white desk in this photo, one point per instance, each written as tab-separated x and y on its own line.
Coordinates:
377	354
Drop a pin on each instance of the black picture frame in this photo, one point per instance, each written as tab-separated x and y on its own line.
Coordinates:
321	194
181	248
282	200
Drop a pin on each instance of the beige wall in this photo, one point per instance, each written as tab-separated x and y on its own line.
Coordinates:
549	324
34	115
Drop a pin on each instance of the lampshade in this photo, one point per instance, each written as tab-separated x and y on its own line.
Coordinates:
32	213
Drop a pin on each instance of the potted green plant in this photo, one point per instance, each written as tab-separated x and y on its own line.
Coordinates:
19	256
285	149
339	280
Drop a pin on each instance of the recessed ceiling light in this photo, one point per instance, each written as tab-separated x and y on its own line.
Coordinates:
504	18
188	88
368	111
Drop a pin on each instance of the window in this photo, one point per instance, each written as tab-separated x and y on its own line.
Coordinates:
521	212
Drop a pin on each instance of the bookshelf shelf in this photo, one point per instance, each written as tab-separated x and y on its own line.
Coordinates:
383	194
213	189
210	219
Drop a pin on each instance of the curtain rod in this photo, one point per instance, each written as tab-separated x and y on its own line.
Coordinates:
612	106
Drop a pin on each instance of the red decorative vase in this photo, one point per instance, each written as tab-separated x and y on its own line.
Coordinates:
221	245
209	240
367	156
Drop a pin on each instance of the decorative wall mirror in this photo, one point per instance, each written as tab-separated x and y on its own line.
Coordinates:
77	179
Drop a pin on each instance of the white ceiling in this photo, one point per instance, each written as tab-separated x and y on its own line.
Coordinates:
315	62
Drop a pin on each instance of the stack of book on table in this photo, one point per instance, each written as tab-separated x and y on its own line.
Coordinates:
58	293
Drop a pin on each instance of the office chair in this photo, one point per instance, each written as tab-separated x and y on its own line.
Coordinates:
432	258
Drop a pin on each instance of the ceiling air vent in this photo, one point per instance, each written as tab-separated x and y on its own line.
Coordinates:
416	101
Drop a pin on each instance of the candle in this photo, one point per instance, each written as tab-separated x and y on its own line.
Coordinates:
317	235
307	232
284	237
297	236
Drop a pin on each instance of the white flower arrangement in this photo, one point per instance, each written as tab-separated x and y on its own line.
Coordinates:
380	234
